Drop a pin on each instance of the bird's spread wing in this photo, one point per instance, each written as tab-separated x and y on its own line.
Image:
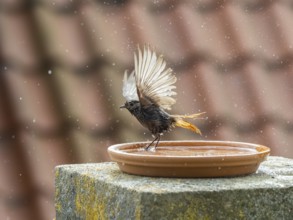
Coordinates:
153	81
129	87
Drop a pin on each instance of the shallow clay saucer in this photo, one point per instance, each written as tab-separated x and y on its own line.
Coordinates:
189	158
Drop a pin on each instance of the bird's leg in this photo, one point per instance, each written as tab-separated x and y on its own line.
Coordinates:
147	148
159	137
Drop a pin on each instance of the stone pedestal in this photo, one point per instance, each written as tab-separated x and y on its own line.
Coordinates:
101	191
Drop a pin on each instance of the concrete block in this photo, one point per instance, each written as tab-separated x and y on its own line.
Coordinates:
102	191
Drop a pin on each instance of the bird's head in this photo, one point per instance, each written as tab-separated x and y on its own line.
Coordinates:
131	105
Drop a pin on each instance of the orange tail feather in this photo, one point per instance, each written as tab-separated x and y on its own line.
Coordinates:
184	124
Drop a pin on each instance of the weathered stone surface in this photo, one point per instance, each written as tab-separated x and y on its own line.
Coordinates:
101	191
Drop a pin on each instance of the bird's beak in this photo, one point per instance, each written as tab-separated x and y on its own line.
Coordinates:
122	106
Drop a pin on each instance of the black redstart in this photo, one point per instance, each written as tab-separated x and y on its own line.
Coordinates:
148	92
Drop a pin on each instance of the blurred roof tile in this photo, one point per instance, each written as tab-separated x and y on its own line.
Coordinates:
251	5
14	5
17	198
66	39
252	136
46	206
214	96
190	25
279	140
281	85
222	132
284	18
160	5
43	155
35	104
258	32
86	105
7	122
92	148
268	100
19	208
193	32
18	40
163	30
219	39
61	6
239	99
110	31
189	97
13	170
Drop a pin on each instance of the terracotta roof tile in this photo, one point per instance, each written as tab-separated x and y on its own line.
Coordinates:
60	6
14	182
213	94
279	139
21	208
92	148
16	188
190	97
258	32
43	155
70	46
219	40
284	15
7	122
190	25
164	30
13	5
110	30
85	105
47	206
18	41
239	98
35	104
267	102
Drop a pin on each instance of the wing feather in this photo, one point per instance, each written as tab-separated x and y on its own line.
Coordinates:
129	87
154	83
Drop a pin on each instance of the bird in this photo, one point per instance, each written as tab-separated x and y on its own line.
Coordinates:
149	92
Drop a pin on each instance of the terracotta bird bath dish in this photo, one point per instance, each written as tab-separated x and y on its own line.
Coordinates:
189	159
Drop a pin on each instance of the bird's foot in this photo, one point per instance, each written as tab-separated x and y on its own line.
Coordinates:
155	147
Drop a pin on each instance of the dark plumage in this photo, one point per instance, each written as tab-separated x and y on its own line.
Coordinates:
151	117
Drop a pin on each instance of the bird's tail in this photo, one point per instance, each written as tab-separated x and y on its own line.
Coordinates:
179	122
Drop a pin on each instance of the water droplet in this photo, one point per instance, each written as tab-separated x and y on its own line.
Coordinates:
49	72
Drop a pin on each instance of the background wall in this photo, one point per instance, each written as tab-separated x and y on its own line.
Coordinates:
62	64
